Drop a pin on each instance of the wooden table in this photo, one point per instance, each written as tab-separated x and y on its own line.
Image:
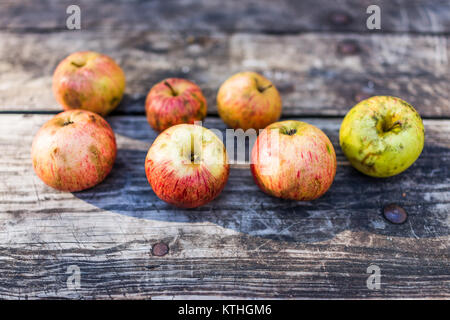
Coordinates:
244	244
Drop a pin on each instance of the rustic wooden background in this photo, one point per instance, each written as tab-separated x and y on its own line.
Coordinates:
244	244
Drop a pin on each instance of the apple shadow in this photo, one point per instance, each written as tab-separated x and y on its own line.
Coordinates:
354	202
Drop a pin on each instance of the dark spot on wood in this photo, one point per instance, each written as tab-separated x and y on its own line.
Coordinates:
340	18
160	249
395	214
348	47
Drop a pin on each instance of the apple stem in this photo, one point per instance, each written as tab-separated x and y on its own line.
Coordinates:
171	88
194	156
393	126
264	88
291	132
78	65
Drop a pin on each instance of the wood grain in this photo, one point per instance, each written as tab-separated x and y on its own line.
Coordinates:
316	74
282	16
243	244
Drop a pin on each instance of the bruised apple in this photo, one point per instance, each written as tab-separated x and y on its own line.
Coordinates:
293	160
73	151
174	101
187	166
89	80
248	100
382	136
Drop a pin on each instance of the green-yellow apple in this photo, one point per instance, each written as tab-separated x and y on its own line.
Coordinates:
187	165
174	101
73	151
382	136
293	160
89	80
248	100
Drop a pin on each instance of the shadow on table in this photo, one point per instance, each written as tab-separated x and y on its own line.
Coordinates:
354	202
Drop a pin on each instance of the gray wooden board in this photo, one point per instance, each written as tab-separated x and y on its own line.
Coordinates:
281	16
243	244
313	76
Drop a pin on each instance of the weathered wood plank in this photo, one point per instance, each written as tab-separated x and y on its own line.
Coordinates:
282	16
313	75
243	244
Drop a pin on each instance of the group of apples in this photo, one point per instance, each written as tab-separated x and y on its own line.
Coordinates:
187	164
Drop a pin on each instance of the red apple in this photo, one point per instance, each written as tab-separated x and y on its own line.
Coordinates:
174	101
248	100
73	151
90	81
293	160
187	166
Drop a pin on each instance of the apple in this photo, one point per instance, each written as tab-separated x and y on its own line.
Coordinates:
293	160
174	101
248	100
382	136
88	80
187	166
73	151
